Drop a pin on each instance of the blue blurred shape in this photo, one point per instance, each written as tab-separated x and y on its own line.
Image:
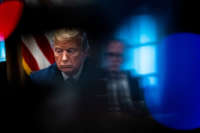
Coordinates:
140	34
2	51
141	37
139	30
150	81
147	29
145	59
142	59
178	82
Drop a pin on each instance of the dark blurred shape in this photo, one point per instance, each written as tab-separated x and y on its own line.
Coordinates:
65	3
3	74
99	19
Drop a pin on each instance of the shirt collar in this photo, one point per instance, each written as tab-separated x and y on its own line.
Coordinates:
76	76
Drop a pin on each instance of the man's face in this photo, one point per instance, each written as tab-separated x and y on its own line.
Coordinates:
114	56
69	56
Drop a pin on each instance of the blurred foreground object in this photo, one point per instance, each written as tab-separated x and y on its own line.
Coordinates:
178	82
58	2
10	13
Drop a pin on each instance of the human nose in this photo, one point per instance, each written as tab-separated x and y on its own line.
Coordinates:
64	56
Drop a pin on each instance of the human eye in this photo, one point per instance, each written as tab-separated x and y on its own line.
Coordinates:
71	50
58	50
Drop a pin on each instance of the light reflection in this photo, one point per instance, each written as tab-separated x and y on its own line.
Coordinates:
2	51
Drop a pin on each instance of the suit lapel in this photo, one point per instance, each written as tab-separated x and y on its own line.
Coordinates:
57	76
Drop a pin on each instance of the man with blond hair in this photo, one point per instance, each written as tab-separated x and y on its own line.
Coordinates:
66	83
70	51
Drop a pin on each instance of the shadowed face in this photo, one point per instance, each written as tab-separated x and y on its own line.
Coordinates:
114	54
69	56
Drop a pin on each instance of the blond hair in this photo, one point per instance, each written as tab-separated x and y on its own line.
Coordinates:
66	35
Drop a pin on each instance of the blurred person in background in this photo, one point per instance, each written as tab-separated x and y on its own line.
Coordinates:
125	97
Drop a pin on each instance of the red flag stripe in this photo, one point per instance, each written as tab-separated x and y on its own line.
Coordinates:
45	47
35	51
29	58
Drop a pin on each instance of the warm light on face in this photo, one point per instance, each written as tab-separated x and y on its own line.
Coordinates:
69	56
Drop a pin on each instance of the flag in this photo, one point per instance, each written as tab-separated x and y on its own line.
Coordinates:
37	52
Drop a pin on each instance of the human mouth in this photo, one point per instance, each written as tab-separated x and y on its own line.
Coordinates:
66	66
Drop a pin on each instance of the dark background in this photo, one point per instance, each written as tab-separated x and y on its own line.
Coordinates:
99	20
103	17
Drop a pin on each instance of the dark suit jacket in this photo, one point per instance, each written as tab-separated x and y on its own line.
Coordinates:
52	74
136	92
51	77
56	97
93	97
